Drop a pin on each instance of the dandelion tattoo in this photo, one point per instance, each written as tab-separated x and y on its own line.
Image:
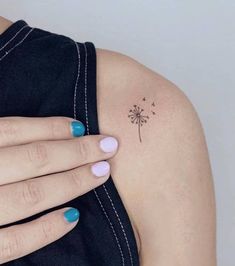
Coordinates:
137	117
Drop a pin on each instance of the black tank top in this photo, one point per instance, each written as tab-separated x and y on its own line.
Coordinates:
47	74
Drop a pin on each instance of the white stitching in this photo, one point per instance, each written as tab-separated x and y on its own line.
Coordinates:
102	207
76	84
13	37
123	230
111	225
10	50
87	125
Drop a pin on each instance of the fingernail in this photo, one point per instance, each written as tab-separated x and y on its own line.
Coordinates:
71	215
77	128
100	169
109	144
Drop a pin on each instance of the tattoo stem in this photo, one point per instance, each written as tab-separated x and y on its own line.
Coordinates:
139	132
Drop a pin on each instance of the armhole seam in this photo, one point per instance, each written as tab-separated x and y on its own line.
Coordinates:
114	217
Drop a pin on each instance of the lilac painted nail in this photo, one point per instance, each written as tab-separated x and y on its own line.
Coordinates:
109	144
100	169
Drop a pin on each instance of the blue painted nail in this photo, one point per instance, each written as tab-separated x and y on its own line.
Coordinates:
77	128
71	215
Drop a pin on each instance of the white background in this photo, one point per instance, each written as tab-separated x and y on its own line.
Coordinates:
192	43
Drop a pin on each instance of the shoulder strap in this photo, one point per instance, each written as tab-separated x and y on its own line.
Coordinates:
106	195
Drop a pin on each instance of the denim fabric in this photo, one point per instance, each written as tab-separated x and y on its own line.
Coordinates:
47	74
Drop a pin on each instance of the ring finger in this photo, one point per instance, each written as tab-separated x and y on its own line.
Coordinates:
23	199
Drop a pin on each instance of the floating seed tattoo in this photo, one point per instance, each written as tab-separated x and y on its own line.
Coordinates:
137	116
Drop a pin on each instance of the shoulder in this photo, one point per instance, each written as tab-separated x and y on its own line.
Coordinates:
162	169
4	24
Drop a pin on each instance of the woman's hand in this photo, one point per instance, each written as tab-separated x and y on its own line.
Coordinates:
65	167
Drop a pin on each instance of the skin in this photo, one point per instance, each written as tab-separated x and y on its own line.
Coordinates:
4	24
167	184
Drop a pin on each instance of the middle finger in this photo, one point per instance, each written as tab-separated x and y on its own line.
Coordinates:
22	162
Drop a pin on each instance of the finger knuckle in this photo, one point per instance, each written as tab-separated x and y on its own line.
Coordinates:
47	229
10	246
83	150
75	179
32	193
58	125
8	131
37	154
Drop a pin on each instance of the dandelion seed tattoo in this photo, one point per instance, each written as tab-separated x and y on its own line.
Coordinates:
137	117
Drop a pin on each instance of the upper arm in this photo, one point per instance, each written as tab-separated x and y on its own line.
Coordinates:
165	181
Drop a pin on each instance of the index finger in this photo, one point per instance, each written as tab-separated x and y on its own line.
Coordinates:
16	130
